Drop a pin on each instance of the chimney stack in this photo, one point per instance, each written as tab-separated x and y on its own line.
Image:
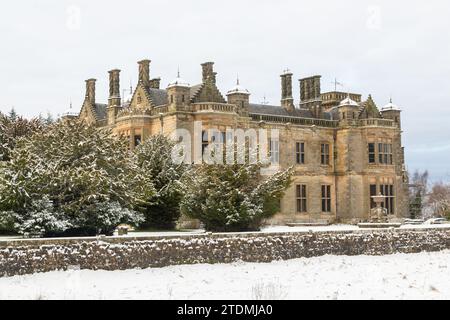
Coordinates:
287	101
310	95
144	73
90	90
208	72
310	88
155	83
114	88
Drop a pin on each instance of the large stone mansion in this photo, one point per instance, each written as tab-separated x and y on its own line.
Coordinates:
344	150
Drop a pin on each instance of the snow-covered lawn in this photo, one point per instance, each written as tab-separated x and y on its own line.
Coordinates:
400	276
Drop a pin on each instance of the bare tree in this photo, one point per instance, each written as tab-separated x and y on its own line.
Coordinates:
439	200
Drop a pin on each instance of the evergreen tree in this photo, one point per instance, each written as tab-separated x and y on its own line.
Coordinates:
12	115
84	173
228	198
154	158
417	192
12	128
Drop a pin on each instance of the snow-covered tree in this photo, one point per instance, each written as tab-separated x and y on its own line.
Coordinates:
14	127
85	173
154	158
232	197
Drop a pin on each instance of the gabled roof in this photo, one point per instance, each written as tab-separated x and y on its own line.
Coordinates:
369	109
206	92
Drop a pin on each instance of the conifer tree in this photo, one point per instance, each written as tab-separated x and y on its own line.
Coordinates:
235	197
154	158
85	175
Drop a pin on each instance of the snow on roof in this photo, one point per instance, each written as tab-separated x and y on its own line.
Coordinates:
178	82
391	106
348	102
238	89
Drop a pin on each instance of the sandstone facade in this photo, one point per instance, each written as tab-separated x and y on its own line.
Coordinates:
344	150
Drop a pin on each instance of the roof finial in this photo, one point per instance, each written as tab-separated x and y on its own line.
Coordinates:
237	80
70	104
178	73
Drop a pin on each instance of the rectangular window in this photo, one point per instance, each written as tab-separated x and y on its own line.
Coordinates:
387	190
385	153
274	151
300	152
372	153
373	193
301	198
325	154
205	141
326	198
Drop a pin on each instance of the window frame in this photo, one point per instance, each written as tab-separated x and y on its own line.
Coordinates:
326	198
325	158
301	197
300	153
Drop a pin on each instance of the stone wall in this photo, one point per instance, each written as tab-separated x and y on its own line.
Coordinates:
118	253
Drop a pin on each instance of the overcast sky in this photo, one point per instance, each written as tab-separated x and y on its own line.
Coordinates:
386	48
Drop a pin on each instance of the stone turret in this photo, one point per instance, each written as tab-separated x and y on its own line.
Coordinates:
348	109
240	97
114	101
178	92
287	101
392	112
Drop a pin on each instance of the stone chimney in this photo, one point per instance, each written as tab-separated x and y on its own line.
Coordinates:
144	73
114	88
310	95
208	72
287	101
310	88
114	101
90	90
155	83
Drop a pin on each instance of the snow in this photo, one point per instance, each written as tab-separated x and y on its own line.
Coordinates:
399	276
270	229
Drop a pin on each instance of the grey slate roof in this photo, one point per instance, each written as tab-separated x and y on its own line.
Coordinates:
159	96
278	111
100	111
